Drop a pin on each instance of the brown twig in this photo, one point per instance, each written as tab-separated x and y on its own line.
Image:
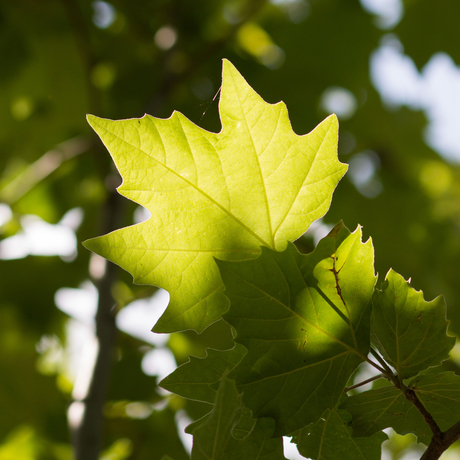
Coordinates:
360	384
440	440
413	398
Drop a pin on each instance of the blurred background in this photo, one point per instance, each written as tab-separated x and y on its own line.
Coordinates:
387	68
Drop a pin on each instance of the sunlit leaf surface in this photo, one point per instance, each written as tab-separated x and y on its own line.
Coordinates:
304	320
256	183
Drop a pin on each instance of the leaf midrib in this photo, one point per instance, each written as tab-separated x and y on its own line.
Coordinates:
267	207
249	251
294	313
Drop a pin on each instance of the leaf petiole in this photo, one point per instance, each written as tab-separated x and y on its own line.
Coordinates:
387	371
357	385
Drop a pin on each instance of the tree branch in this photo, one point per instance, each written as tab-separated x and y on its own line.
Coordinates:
43	167
87	431
452	434
441	442
88	434
413	398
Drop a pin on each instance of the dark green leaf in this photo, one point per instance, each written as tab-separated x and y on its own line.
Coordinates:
199	378
305	323
330	438
212	435
408	331
375	410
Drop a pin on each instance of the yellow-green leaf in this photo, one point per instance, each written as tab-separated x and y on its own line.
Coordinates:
256	183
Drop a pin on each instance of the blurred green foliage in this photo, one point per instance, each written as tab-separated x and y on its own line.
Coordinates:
63	59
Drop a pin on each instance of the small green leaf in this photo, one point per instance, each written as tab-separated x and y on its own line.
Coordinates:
213	438
246	424
305	323
199	378
259	444
330	438
256	183
440	393
375	410
212	434
410	333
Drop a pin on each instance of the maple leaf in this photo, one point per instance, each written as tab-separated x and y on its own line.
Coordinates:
305	321
214	434
409	332
331	438
224	195
385	407
197	378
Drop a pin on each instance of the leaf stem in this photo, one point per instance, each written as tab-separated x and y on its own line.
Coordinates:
413	398
381	361
383	371
352	387
441	442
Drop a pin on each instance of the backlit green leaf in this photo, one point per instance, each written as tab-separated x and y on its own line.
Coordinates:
224	195
304	320
408	331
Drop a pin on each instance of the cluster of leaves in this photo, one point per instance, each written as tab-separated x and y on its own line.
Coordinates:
60	62
225	210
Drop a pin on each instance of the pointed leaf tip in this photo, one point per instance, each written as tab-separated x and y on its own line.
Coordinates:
228	65
94	245
91	119
224	195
